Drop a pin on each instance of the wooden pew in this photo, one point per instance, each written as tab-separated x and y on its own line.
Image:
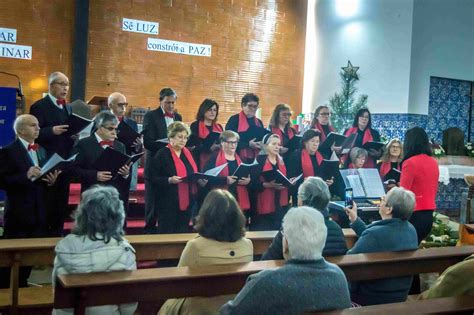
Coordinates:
149	285
448	305
40	251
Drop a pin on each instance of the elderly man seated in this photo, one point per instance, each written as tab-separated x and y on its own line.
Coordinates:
305	283
392	233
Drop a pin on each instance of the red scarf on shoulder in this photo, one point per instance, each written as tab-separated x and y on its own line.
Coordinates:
266	198
369	162
242	193
247	153
279	132
307	163
319	127
385	167
183	188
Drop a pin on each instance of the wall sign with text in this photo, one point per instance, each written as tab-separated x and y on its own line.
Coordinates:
15	51
175	47
7	35
138	26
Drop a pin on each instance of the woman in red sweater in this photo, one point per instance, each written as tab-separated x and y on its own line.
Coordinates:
420	174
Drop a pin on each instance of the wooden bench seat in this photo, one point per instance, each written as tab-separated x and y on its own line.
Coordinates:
149	285
31	297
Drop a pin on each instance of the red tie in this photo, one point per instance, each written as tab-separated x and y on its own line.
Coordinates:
120	118
61	103
169	115
109	143
33	147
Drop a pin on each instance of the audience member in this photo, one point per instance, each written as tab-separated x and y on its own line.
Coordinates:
314	193
96	244
221	228
392	233
305	283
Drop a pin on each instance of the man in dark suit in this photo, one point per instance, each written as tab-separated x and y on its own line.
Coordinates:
117	103
89	150
155	124
52	112
20	164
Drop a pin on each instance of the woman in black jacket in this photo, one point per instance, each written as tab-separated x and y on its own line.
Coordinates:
314	192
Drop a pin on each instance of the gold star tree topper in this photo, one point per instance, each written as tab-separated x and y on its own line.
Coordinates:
350	70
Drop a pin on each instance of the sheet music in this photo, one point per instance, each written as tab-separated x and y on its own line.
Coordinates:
216	170
356	185
52	162
297	178
164	140
86	132
372	183
250	164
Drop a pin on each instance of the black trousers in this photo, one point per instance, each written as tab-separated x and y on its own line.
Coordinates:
150	207
57	199
423	222
174	221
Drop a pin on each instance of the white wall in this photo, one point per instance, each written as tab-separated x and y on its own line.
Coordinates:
377	38
442	46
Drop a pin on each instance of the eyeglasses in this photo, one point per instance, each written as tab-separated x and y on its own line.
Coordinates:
110	128
251	106
286	114
63	84
231	142
325	114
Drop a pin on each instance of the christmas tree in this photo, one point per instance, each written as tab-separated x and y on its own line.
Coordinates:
343	103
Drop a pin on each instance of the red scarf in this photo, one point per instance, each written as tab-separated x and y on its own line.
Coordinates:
266	198
242	193
278	131
319	127
385	167
307	163
203	132
247	153
369	162
183	188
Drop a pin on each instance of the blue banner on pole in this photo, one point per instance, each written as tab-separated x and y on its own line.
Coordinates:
7	117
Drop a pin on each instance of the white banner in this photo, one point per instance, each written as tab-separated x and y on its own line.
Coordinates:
175	47
15	51
7	35
138	26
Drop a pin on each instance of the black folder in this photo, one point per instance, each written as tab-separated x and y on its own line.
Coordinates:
393	174
210	139
112	160
294	143
348	143
244	170
76	124
254	132
329	169
375	145
279	178
126	134
55	162
332	138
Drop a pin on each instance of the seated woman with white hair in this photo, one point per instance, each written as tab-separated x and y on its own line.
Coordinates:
314	192
392	233
96	244
305	283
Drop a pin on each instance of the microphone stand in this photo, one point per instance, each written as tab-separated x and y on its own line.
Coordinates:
19	89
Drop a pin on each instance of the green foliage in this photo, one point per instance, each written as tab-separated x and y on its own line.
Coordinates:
344	104
440	229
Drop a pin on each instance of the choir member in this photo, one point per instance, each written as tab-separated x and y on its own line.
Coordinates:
322	123
206	122
90	149
52	112
391	159
280	124
362	127
307	160
357	158
155	124
171	169
272	198
117	103
237	187
241	122
20	164
420	174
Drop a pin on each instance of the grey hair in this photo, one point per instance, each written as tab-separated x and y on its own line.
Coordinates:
305	231
54	76
402	202
100	214
357	152
314	192
19	122
113	97
266	139
105	117
228	134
